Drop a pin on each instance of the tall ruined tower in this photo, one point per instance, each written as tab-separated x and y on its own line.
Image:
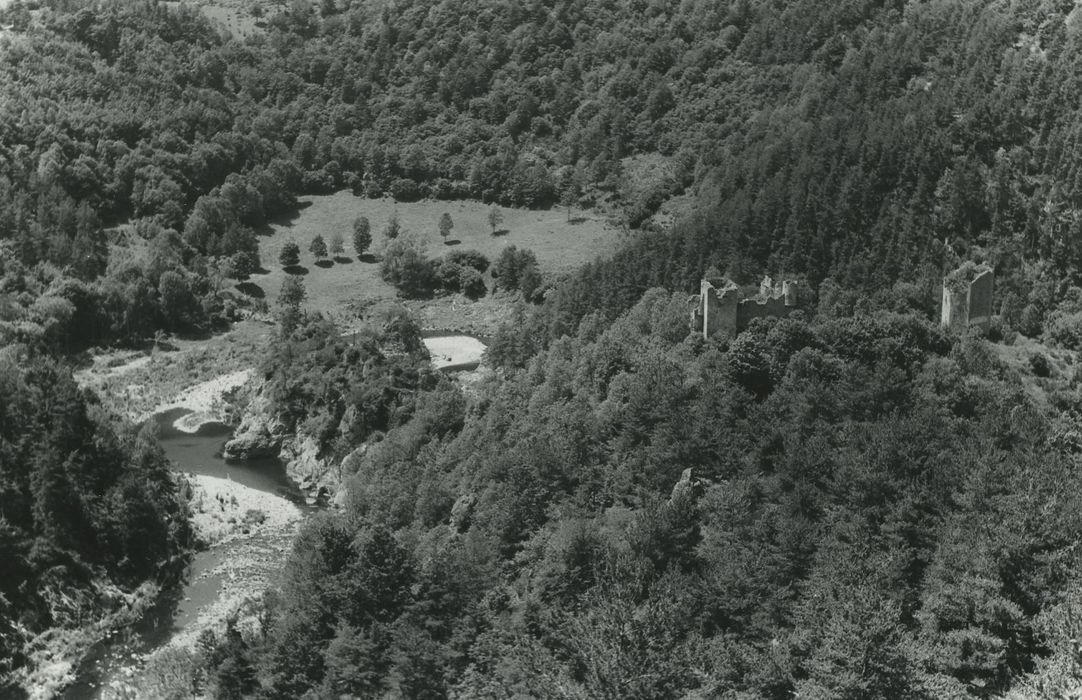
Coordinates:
718	300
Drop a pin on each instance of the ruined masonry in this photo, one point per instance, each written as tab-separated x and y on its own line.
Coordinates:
724	307
967	297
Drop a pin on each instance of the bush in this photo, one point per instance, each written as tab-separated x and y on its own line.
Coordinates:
447	275
471	283
1030	323
1039	364
454	277
1065	329
405	190
405	266
468	258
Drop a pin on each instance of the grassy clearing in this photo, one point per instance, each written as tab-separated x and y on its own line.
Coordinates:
337	288
238	17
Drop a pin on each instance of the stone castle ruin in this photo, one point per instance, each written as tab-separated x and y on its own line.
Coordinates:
967	297
724	307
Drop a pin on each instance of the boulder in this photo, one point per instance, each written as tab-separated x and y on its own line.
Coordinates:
259	435
254	443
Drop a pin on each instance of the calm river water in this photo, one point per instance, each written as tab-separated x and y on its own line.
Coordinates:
197	453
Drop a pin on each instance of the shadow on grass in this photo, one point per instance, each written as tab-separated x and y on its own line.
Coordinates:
284	219
251	289
576	220
295	270
343	259
501	232
453	241
324	263
261	271
369	258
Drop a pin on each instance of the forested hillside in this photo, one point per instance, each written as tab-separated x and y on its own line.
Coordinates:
87	513
858	506
861	141
846	503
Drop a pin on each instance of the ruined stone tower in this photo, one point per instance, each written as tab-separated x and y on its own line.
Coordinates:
717	305
967	297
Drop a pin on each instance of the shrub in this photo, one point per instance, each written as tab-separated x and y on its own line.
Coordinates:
1039	364
1030	323
471	283
468	258
405	266
1065	329
405	190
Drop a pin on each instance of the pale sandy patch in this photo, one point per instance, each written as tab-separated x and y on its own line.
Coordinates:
203	400
223	510
454	350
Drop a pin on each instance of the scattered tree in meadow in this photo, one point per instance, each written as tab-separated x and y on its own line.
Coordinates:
290	255
495	218
318	247
362	235
446	224
338	244
290	297
393	228
292	292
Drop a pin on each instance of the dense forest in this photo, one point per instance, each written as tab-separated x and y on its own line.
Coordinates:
846	503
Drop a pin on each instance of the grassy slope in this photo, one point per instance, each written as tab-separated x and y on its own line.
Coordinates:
1016	357
560	247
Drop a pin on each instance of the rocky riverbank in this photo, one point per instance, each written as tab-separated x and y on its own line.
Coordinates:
261	434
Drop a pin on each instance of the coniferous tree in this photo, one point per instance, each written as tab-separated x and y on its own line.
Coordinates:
290	255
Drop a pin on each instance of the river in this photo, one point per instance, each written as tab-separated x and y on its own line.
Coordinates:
221	577
216	578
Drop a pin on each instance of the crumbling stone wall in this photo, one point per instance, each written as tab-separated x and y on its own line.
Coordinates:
722	307
774	307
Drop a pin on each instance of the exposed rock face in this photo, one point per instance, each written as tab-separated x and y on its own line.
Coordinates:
304	465
259	434
462	511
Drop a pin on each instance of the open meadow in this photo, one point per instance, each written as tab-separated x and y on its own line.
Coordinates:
338	286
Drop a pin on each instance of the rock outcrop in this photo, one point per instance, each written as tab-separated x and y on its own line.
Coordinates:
315	475
462	512
261	435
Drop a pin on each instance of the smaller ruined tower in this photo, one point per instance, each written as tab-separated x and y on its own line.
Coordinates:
967	297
